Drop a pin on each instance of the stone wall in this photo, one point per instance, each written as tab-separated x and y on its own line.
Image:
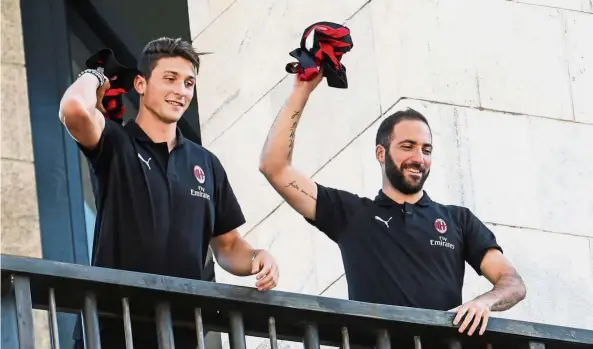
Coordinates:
19	212
506	86
20	218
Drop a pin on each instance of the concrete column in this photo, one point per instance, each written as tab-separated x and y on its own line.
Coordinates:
19	212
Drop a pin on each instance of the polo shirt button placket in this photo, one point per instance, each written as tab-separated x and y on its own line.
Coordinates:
406	211
171	172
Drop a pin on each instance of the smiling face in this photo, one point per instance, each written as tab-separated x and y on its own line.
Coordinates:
407	159
169	89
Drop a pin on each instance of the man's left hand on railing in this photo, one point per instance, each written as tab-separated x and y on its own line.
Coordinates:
509	289
236	256
475	311
266	269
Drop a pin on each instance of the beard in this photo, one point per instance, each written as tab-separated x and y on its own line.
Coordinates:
398	180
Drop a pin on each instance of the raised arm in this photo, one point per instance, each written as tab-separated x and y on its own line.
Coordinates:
299	191
78	109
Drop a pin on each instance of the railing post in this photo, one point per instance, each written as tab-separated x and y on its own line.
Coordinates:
345	338
272	333
24	312
164	326
311	340
53	320
127	323
10	330
92	336
200	328
454	343
17	314
237	331
383	340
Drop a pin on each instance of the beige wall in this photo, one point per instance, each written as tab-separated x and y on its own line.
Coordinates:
19	214
20	220
506	86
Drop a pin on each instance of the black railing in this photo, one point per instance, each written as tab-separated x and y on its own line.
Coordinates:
202	306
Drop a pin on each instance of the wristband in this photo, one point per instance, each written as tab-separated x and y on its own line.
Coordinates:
98	75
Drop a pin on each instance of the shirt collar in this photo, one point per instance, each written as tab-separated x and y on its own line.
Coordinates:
137	132
385	200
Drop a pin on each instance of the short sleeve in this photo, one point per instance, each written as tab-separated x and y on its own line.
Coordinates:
228	215
111	139
333	210
478	239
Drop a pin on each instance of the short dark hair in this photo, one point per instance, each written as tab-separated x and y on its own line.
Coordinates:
385	132
165	48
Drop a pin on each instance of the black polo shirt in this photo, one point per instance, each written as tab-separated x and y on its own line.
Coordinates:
157	211
403	254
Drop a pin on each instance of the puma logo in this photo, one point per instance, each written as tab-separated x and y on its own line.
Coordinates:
385	222
147	162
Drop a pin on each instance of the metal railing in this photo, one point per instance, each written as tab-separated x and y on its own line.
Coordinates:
199	306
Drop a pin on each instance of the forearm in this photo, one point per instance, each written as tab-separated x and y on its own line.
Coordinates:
277	151
80	97
506	293
237	258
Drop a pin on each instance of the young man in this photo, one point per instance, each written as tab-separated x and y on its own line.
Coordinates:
162	198
401	248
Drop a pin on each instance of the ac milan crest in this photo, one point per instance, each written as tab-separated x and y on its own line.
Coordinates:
199	174
440	226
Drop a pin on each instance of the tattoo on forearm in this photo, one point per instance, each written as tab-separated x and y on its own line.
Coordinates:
291	137
510	290
295	185
503	305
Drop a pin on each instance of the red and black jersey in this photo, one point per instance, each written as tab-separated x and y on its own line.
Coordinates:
323	44
120	78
